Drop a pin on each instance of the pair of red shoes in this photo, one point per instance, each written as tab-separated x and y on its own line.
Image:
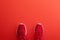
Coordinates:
22	32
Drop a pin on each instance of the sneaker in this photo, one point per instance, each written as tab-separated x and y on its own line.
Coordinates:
21	32
38	32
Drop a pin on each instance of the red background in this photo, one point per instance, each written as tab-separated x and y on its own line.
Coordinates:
30	12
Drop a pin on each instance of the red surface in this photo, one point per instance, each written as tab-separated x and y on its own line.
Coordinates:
12	12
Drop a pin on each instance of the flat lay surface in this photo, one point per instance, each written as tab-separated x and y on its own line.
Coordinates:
30	12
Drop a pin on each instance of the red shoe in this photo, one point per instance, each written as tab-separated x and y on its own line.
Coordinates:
38	32
21	32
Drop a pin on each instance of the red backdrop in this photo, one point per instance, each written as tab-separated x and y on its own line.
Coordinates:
30	12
